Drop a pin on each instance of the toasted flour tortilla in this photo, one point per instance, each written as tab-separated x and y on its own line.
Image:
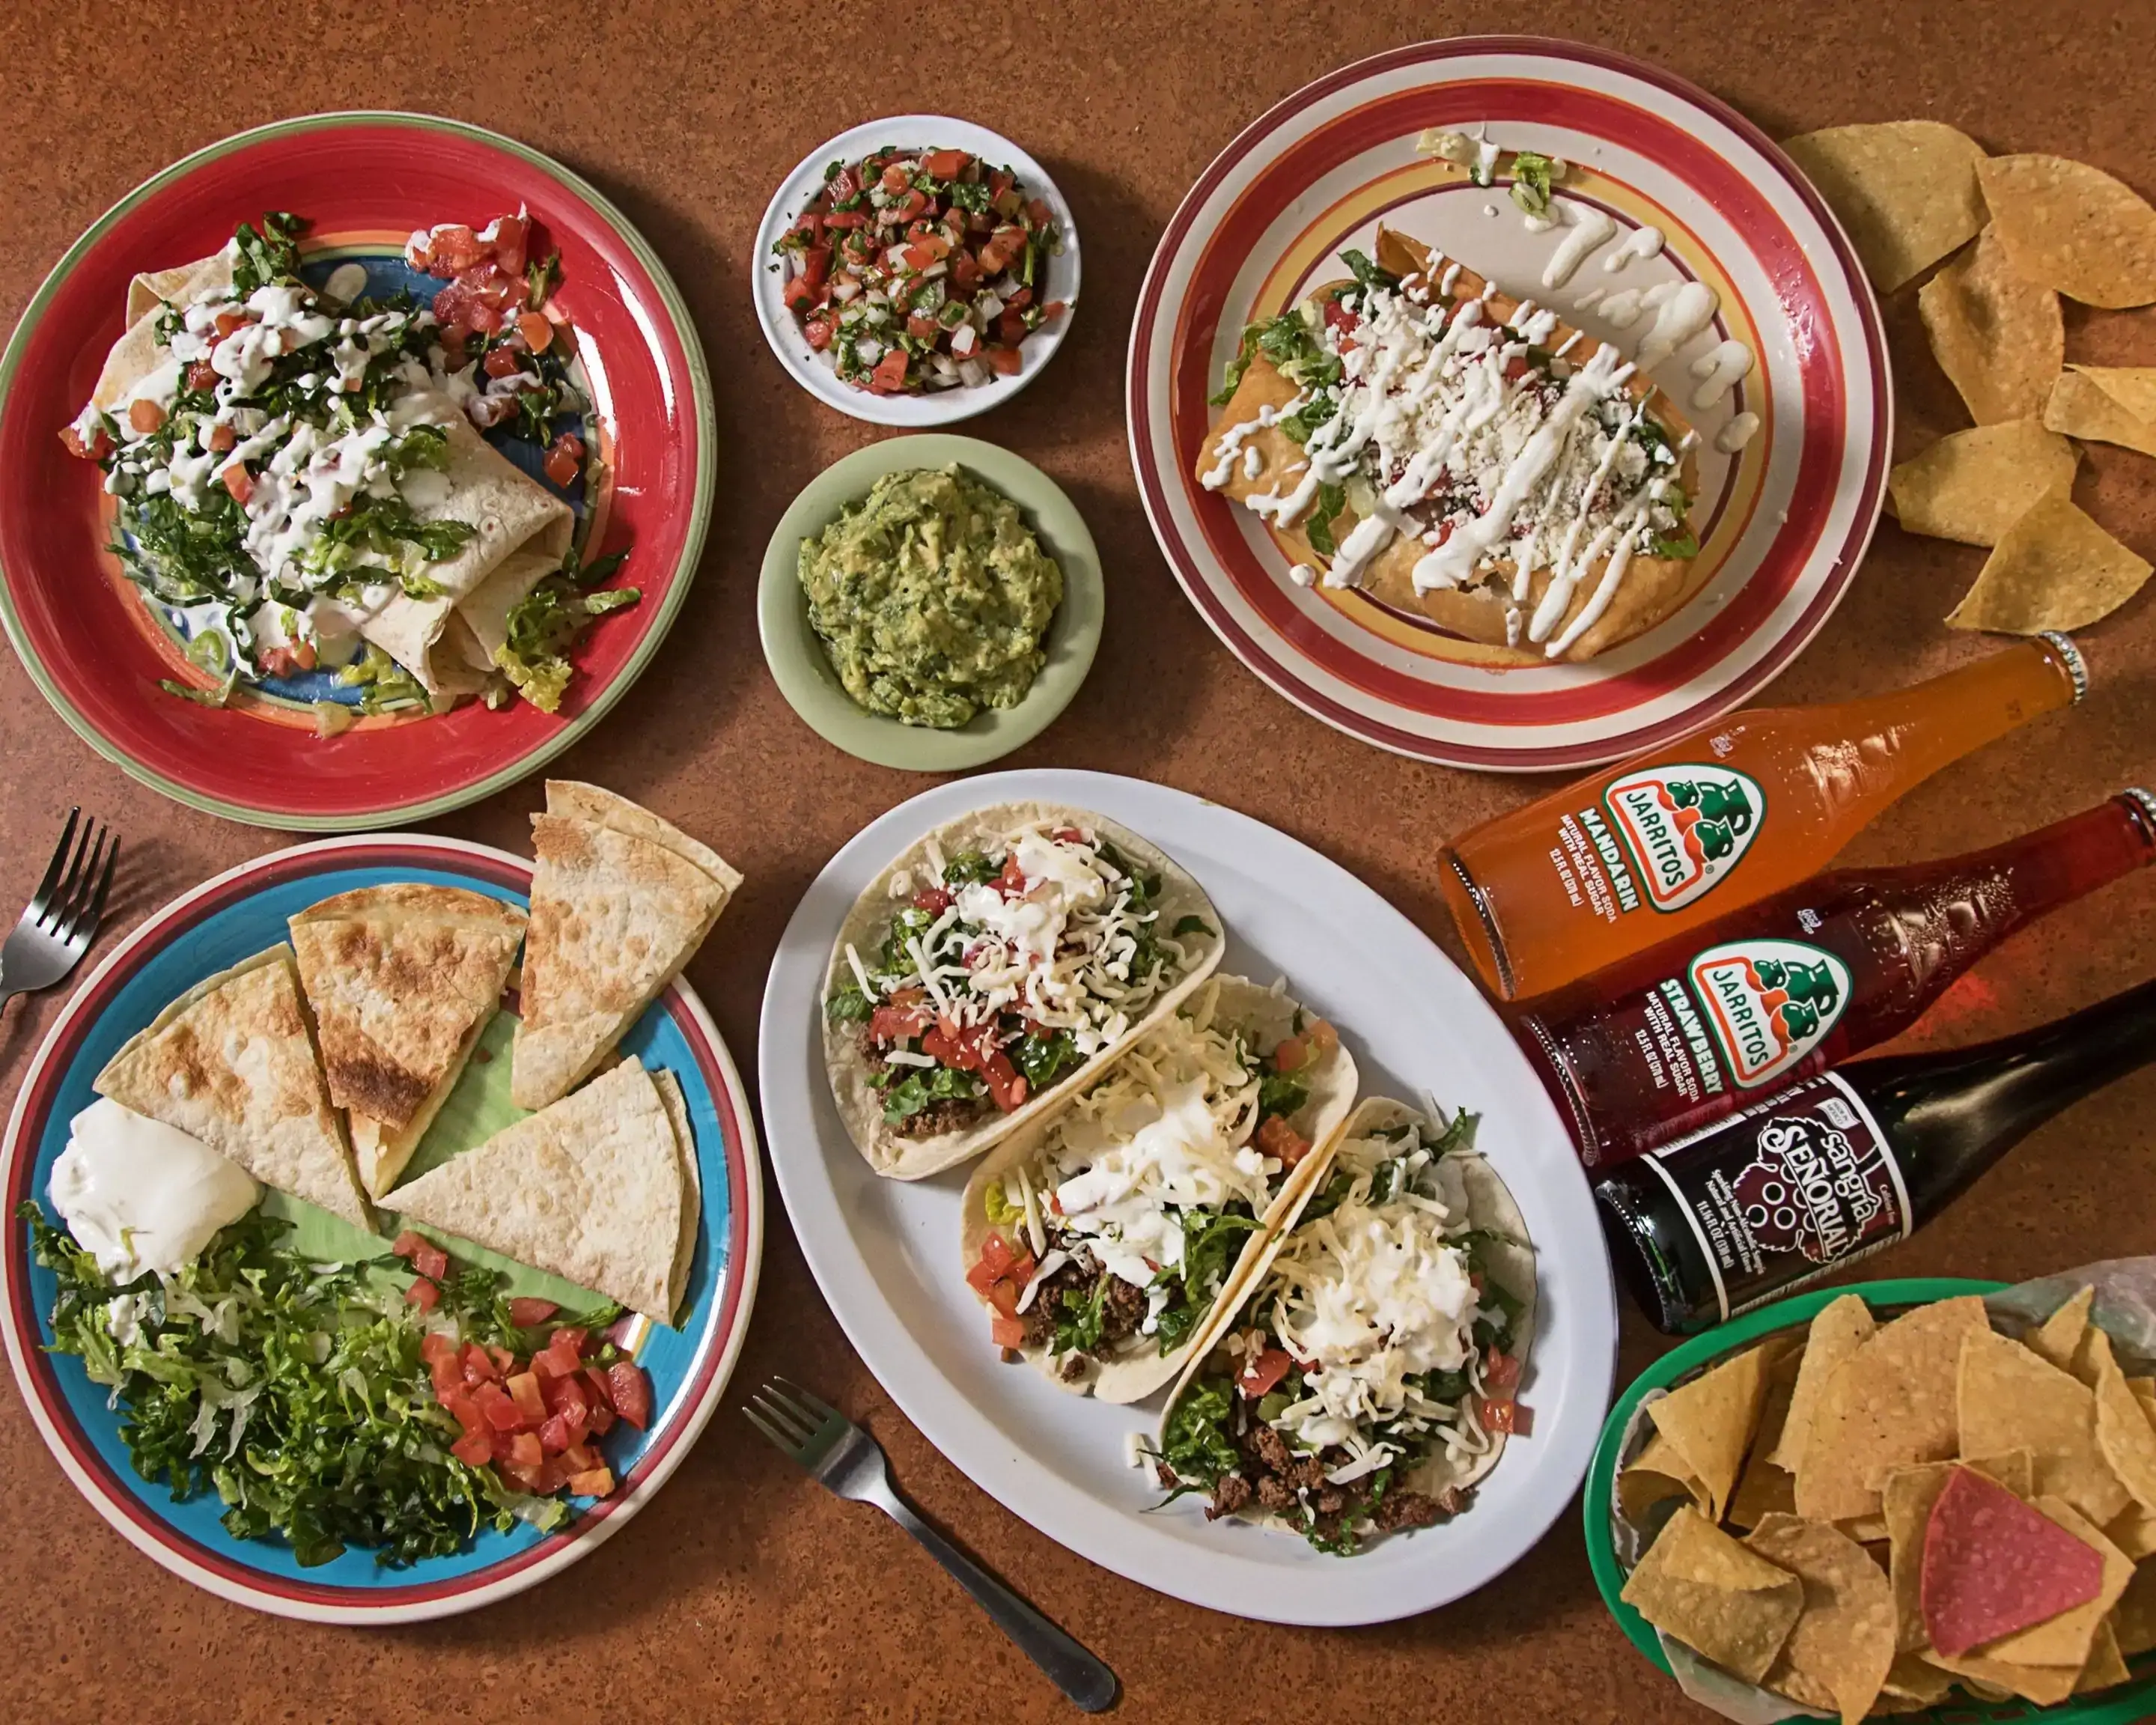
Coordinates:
402	979
1491	1207
620	901
232	1062
1652	587
1263	1018
989	830
592	1189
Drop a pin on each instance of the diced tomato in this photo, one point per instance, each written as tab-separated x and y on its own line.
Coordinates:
505	1362
601	1392
944	164
912	205
525	1312
464	1408
800	293
1277	1137
228	322
502	362
889	376
631	1392
571	1339
1010	329
479	1365
1007	1332
453	249
447	1376
406	1244
847	219
554	1434
475	1449
1501	1371
1337	317
565	1395
510	236
287	662
930	248
1003	1295
550	1367
484	319
843	185
525	1450
598	1482
437	1346
1263	1372
579	1458
1291	1055
1011	883
819	330
965	272
1038	213
893	1022
501	1413
1020	301
145	416
997	1255
1000	182
1321	1036
240	482
921	326
601	1420
896	178
1516	368
222	437
201	377
565	459
1004	360
96	449
810	225
524	1391
537	331
1501	1417
1052	310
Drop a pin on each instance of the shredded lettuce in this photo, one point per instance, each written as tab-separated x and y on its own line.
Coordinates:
548	621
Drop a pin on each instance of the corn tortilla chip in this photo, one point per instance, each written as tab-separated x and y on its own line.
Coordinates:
2105	1664
1995	1679
2009	1399
2080	407
2062	1332
1907	190
1730	1605
1998	337
1657	1473
1910	1679
2055	569
2124	1434
1909	1494
2133	1532
1843	1644
1891	1403
2068	1639
1710	1422
2135	1623
2134	388
1973	485
2073	227
1763	1488
1837	1330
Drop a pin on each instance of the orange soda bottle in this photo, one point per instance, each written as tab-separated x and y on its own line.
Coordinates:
1720	817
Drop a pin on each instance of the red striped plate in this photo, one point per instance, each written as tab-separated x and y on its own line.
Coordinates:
1785	520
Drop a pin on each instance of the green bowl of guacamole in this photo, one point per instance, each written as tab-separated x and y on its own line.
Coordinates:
929	602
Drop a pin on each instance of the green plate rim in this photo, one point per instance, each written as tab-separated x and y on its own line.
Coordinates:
684	571
2125	1705
804	676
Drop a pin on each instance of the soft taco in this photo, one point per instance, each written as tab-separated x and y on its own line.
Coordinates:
1362	1379
1460	456
1103	1237
994	968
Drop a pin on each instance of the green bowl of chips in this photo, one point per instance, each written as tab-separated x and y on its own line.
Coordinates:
1781	1326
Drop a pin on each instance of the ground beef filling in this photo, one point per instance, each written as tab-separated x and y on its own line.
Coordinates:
1070	1289
948	1115
1279	1479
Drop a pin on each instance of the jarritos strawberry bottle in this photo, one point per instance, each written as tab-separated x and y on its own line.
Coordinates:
1721	818
1690	1031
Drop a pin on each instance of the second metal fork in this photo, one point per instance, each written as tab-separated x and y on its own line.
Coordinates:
59	923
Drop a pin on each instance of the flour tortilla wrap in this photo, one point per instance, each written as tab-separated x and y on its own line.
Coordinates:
991	831
135	358
1263	1018
1510	1260
1652	587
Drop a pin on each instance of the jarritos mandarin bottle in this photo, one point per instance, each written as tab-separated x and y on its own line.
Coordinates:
1690	1031
1721	818
1846	1163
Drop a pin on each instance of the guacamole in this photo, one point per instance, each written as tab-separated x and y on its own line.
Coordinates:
931	596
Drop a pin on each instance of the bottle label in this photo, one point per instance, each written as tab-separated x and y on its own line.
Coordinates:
1685	826
1801	1181
1766	1002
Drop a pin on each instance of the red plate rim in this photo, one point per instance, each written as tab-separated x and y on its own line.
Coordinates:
1844	558
142	1528
676	358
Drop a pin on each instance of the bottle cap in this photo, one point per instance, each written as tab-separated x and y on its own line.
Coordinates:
2142	800
2070	656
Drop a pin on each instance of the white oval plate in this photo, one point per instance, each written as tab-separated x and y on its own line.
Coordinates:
942	407
885	1252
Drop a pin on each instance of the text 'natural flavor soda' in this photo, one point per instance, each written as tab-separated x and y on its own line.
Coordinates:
1720	819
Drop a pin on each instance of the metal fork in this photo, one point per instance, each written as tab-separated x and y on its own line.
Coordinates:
846	1460
59	923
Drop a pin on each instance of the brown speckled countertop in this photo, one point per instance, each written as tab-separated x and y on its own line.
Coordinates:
744	1593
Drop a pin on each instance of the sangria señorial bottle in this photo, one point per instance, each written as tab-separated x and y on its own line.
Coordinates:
1720	817
1846	1163
1688	1033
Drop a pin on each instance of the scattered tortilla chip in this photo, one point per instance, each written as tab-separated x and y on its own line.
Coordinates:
2105	1664
2055	569
1891	1403
1763	1488
1837	1330
2073	227
1993	1566
2009	1399
1710	1422
1729	1604
2133	1532
1911	1679
2062	1333
1996	1679
1907	190
2124	1434
2134	388
1998	337
1909	1494
1842	1647
2135	1621
2069	1638
2081	407
1973	485
1657	1473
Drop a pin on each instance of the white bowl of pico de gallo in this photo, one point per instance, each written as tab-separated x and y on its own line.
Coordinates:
916	270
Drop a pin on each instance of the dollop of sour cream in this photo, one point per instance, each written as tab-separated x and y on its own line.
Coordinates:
139	1195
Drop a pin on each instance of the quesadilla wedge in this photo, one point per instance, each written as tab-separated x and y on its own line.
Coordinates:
232	1062
1462	456
1104	1235
590	1189
402	979
994	969
1361	1379
620	901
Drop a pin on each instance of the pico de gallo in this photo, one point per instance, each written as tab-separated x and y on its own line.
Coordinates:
920	270
1116	1237
1000	974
